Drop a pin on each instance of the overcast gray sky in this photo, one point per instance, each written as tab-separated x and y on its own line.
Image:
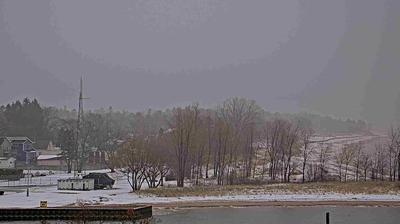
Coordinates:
337	57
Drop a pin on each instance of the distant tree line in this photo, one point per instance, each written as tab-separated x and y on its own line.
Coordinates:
26	118
40	123
236	142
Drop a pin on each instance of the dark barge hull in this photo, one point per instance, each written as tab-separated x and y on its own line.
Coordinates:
89	214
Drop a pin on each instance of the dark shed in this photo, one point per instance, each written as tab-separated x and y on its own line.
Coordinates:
101	180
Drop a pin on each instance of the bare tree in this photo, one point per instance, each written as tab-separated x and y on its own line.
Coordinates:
391	152
133	156
199	150
339	157
283	140
365	164
292	148
348	157
394	151
275	135
323	158
357	161
156	167
240	115
306	134
311	171
184	127
378	162
222	144
210	135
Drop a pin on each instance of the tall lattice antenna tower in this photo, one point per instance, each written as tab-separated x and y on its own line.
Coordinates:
80	149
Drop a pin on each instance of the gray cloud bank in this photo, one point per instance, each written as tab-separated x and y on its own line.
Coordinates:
333	57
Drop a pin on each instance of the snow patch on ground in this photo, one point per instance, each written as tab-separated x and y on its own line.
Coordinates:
120	194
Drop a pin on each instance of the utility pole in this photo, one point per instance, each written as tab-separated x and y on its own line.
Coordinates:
29	176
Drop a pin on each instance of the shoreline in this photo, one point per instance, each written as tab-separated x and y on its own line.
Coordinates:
249	203
244	204
214	204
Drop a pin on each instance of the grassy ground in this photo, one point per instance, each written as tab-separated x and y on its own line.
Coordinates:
307	188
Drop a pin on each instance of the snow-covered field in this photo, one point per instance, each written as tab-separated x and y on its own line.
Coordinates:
46	189
120	194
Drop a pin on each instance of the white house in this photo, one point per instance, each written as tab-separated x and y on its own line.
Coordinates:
7	163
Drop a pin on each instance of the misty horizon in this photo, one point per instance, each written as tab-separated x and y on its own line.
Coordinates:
330	58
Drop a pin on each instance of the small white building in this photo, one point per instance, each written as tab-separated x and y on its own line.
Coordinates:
75	184
7	163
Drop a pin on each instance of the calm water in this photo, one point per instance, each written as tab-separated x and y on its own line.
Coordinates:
276	215
281	215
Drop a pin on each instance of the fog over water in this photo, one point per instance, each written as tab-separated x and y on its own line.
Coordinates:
332	57
283	215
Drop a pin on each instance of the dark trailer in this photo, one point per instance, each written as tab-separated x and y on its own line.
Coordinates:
101	180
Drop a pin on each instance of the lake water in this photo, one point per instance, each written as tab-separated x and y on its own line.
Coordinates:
274	215
283	215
